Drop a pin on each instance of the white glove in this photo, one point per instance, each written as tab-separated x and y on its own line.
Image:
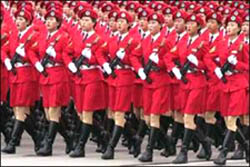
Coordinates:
218	72
20	50
8	64
39	67
154	57
142	74
193	59
232	60
177	73
86	52
106	68
51	51
72	67
120	53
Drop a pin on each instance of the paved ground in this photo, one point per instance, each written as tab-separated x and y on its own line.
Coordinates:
25	156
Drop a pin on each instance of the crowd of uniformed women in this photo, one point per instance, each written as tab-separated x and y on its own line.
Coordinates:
120	70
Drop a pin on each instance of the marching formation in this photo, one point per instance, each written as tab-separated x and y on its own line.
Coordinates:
121	70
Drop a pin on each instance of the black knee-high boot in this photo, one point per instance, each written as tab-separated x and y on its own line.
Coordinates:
138	138
182	157
79	150
206	143
147	156
29	127
109	153
68	139
15	135
244	142
222	157
47	150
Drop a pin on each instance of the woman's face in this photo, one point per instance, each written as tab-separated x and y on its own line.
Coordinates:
51	24
232	28
21	23
179	25
143	22
112	24
192	28
154	27
122	25
245	28
87	23
212	25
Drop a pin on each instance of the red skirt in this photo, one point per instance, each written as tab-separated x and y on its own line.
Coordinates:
234	103
193	100
4	88
56	95
213	98
137	95
174	97
156	101
23	94
120	98
90	97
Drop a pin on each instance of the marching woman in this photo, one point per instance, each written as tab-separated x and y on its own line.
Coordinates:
234	89
23	78
192	85
138	85
122	80
156	90
49	58
215	40
89	82
5	34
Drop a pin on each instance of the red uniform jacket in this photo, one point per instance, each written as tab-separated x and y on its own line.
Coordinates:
199	48
159	78
124	76
89	75
212	58
37	51
236	81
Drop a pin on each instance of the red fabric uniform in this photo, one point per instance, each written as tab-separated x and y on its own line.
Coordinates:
137	98
234	96
23	85
54	87
90	88
172	42
4	73
121	87
211	59
156	99
192	95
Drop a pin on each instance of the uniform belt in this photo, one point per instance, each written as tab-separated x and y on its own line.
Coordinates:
229	73
18	64
84	67
192	71
49	65
125	67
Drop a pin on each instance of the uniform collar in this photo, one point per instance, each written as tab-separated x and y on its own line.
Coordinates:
21	34
214	36
52	33
89	34
232	41
193	38
144	32
114	33
203	30
246	40
156	36
182	34
133	25
170	29
123	35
